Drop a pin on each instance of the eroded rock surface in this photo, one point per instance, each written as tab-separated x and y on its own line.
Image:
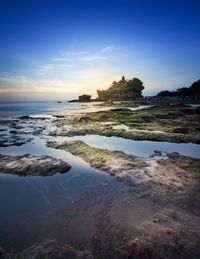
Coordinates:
172	179
32	165
158	123
116	163
49	249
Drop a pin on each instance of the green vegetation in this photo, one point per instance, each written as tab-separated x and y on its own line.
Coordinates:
173	124
186	92
122	90
132	134
113	162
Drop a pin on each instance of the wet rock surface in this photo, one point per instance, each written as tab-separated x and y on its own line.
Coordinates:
18	131
158	123
13	140
32	165
3	254
155	178
117	163
49	249
117	226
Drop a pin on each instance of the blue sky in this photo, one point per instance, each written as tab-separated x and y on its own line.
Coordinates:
61	49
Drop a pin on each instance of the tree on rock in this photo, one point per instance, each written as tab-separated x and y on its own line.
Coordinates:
127	90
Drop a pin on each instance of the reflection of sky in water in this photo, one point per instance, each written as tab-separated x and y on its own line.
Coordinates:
138	148
26	202
51	107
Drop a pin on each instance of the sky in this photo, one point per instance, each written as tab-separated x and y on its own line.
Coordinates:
64	48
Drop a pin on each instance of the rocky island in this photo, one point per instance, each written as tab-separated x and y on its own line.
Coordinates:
123	90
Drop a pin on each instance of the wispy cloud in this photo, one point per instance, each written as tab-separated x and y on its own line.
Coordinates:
93	58
57	66
99	55
75	53
107	49
72	57
10	80
59	59
46	67
68	74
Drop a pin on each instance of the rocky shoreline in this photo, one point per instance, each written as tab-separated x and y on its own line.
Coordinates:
169	171
48	249
150	210
169	184
177	124
160	197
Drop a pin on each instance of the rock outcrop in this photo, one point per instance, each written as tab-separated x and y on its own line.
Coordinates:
32	165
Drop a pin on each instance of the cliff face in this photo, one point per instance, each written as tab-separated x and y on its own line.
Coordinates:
125	90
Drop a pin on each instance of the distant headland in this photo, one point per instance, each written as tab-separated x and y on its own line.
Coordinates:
131	90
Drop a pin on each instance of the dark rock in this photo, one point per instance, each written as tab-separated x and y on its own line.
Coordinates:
157	153
25	117
73	101
13	140
85	119
49	249
13	131
148	118
181	130
173	154
32	165
125	110
59	116
3	254
84	98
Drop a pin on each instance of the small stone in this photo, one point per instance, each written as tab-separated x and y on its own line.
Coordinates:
157	153
155	220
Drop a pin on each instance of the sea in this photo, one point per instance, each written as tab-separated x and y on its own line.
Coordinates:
44	107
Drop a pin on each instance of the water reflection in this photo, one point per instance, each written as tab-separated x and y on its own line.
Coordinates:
28	203
63	206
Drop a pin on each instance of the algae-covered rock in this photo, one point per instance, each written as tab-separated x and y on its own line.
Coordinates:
116	163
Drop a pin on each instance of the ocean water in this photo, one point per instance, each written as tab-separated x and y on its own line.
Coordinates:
39	107
50	107
53	107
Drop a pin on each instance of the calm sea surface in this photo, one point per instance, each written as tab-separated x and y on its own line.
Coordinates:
49	107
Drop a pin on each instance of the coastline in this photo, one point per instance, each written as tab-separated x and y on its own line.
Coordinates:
158	185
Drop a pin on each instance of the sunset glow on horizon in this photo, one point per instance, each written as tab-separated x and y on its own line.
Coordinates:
61	49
